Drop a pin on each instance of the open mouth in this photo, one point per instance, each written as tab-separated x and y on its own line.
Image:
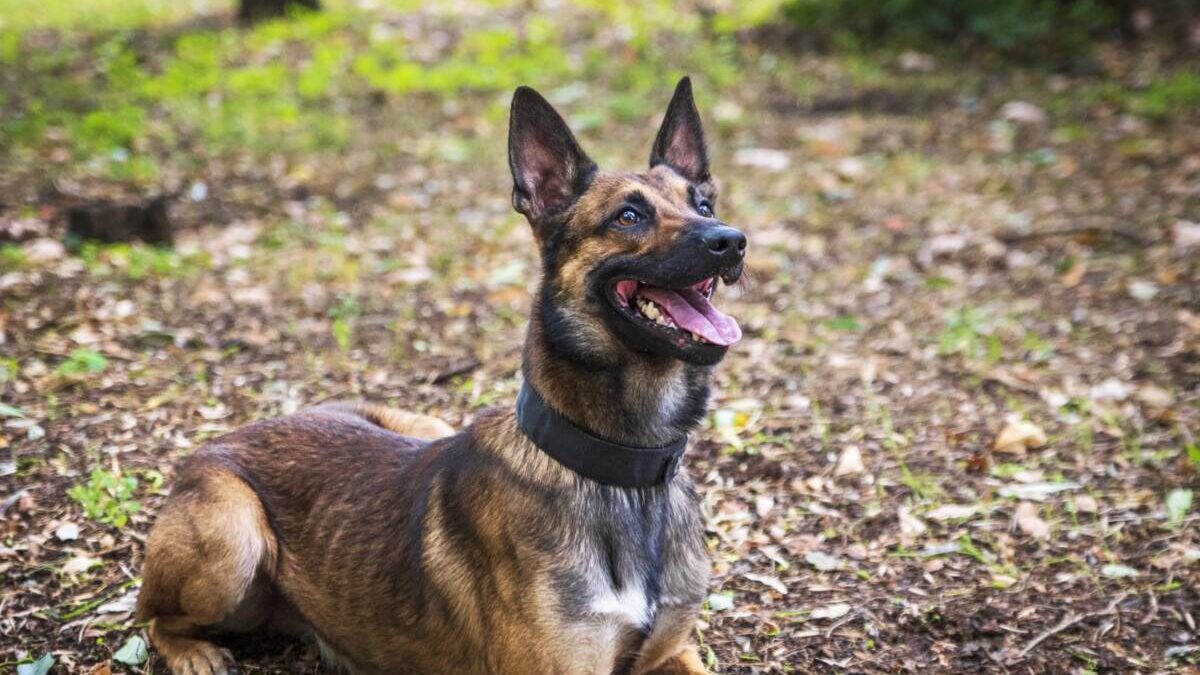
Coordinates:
681	315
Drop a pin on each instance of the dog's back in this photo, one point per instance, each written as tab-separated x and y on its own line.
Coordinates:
324	523
560	540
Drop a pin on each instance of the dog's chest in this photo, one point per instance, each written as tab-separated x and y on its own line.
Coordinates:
631	606
635	566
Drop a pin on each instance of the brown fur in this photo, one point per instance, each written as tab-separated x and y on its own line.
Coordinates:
402	547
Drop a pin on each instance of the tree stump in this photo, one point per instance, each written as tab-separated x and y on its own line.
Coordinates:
116	221
250	11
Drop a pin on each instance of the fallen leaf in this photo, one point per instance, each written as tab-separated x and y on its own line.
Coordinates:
1179	503
125	603
1022	112
40	667
911	526
44	250
1029	476
1003	581
7	410
1037	492
849	462
79	564
835	611
763	505
720	602
951	512
1140	289
67	532
762	158
1111	389
1019	436
1185	234
1155	397
770	581
931	550
1086	504
133	652
823	561
1030	522
915	62
1114	571
1074	275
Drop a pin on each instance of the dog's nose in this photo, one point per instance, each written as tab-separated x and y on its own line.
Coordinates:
726	243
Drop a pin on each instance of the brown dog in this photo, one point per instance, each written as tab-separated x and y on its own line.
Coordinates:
554	538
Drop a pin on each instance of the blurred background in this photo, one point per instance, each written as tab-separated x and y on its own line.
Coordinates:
960	434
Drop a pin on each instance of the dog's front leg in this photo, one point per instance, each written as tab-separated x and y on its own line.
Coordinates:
685	662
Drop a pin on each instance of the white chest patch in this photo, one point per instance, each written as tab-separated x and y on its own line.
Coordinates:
629	605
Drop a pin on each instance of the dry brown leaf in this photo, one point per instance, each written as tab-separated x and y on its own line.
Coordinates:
773	582
1030	522
1086	504
1019	436
1074	275
850	462
911	527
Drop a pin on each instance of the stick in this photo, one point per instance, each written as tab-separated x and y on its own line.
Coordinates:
1067	621
1093	230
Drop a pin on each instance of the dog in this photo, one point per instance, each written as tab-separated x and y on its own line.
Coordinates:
558	536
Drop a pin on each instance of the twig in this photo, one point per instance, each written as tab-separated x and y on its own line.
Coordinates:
839	623
1067	621
1153	613
456	371
1072	231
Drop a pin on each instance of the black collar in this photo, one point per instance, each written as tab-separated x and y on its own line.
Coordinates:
600	460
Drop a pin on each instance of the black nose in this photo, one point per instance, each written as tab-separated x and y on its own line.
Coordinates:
726	243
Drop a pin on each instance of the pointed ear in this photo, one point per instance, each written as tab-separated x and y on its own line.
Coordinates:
549	168
680	142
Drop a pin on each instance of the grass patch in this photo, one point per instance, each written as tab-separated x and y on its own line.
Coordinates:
82	363
107	497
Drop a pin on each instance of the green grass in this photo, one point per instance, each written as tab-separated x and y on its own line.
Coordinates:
128	110
971	333
101	14
343	314
81	363
107	497
1168	94
136	262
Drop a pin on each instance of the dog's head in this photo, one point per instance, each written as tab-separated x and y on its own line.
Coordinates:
630	261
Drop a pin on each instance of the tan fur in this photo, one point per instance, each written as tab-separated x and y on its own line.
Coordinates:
203	561
404	548
684	662
213	559
403	422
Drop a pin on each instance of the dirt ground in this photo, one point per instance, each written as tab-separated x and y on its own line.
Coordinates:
959	436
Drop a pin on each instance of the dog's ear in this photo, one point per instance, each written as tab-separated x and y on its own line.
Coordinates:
549	168
680	141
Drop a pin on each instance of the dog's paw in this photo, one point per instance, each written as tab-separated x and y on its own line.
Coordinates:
200	658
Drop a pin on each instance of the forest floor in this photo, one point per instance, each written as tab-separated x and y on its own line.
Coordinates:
959	436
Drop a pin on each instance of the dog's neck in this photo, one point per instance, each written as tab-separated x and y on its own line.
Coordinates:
643	400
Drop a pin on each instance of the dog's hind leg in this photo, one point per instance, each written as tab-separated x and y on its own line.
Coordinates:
403	422
686	662
207	565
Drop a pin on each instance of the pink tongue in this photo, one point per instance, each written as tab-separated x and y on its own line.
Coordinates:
692	311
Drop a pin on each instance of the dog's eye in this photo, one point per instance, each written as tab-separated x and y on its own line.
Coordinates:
705	209
629	218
